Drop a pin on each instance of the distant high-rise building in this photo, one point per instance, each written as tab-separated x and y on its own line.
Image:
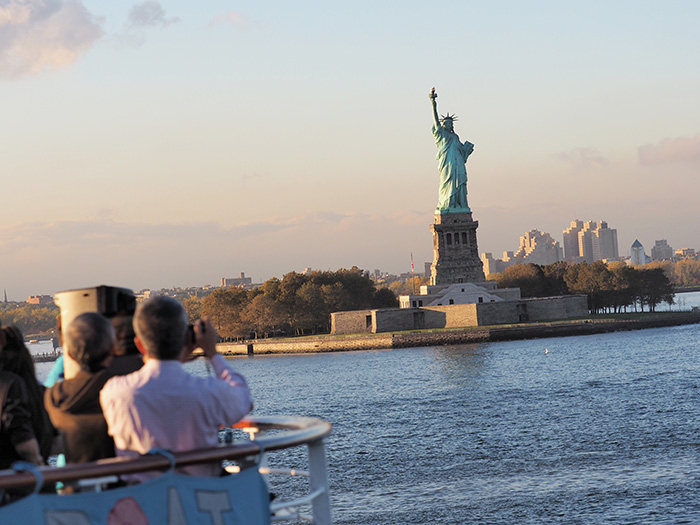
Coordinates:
685	253
538	248
604	242
241	281
492	265
637	255
590	241
661	251
39	299
585	241
571	252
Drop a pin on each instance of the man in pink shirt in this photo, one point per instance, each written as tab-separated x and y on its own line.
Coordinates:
162	405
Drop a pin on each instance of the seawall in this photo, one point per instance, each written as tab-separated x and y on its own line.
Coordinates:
454	337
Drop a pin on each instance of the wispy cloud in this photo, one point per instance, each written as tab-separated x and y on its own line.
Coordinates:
150	14
142	18
232	18
682	149
583	159
38	35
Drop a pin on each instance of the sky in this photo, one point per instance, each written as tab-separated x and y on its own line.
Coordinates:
172	143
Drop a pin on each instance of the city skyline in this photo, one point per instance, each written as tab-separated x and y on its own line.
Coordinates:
158	144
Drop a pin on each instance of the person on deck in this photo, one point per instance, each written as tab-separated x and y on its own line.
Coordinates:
25	430
74	404
162	405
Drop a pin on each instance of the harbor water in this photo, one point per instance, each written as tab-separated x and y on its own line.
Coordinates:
590	429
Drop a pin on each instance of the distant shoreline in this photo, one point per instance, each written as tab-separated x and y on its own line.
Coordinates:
410	339
454	337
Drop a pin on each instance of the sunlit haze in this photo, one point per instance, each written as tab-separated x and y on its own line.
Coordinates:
172	143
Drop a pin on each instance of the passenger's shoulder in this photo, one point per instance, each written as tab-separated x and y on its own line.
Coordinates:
120	382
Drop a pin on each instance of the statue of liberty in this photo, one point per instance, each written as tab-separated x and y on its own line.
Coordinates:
452	158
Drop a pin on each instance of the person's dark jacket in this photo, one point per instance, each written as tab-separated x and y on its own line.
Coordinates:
74	408
15	418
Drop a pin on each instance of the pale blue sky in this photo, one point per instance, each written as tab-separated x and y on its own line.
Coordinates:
153	144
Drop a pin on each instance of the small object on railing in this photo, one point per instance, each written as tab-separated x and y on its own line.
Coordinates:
251	431
26	466
163	452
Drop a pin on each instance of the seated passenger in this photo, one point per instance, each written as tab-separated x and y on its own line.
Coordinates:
25	430
74	404
162	405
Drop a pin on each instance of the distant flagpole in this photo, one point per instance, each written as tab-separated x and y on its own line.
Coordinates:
413	275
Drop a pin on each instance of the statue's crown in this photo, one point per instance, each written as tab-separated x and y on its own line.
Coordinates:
453	118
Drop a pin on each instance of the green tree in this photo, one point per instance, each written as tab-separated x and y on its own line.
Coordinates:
687	272
31	319
655	288
384	298
262	316
528	277
224	307
669	268
555	278
408	286
624	284
193	307
594	280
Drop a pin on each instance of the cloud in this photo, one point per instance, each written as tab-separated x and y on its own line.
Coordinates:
233	18
36	35
143	17
583	159
150	14
682	149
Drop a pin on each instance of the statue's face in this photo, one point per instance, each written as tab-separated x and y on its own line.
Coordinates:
448	124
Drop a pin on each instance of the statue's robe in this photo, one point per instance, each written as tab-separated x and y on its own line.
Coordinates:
452	157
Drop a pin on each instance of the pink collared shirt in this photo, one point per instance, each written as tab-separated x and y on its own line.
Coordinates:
163	406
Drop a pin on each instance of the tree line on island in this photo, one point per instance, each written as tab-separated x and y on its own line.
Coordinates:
297	304
611	288
302	303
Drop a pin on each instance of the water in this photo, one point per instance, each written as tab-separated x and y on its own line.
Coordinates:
597	429
601	428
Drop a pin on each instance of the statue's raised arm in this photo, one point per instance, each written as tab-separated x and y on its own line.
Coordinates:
433	101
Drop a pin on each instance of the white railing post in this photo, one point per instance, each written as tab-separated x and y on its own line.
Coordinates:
318	479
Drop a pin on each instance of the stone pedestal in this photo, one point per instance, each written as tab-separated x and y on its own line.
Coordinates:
455	252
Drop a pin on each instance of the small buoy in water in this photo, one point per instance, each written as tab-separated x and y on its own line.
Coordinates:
546	351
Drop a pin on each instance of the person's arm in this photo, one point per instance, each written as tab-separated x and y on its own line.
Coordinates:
18	425
433	101
238	401
29	451
205	337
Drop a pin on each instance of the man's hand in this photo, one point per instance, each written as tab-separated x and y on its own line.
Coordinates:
206	337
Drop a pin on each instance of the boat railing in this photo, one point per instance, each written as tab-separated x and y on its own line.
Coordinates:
289	432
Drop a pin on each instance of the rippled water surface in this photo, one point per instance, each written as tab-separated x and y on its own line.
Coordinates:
599	428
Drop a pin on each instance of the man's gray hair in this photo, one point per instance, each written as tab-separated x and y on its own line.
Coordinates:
160	324
89	340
